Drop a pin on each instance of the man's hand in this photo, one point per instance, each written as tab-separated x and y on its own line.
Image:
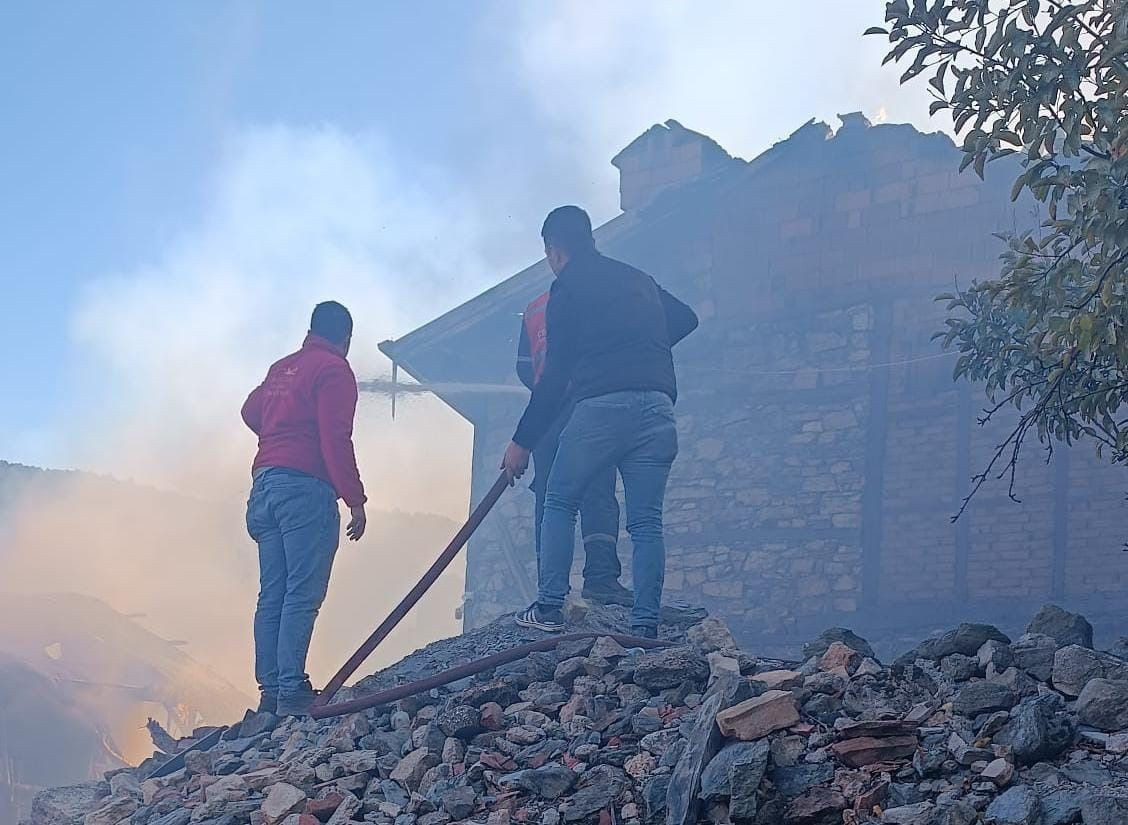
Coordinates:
515	463
355	528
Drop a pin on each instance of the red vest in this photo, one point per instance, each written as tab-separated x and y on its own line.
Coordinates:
537	330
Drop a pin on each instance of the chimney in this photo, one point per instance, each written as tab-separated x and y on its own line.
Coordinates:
664	155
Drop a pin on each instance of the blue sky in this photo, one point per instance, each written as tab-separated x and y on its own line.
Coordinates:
181	179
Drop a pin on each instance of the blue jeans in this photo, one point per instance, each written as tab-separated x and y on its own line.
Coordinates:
295	521
635	432
599	512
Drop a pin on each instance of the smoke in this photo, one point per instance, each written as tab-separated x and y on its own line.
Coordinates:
171	347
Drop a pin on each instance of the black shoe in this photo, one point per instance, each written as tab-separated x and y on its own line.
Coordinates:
268	703
611	592
645	632
538	617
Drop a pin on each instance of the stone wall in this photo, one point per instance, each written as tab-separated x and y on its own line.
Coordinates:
824	445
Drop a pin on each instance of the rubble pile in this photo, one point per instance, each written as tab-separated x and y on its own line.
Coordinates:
968	727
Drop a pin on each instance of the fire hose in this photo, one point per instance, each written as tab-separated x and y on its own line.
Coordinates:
322	708
415	594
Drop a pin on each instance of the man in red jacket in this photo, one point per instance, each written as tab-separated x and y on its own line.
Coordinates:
303	417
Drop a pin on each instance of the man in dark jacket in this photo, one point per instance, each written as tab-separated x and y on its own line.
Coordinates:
599	510
303	417
610	328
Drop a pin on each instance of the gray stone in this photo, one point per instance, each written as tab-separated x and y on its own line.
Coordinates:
798	779
548	781
660	741
965	639
1064	627
1075	666
1104	705
1038	729
1034	653
717	778
928	813
654	797
177	817
1016	806
975	698
282	800
67	805
710	635
744	803
459	721
959	667
257	723
112	811
460	802
817	647
670	667
1104	809
599	787
1062	806
996	653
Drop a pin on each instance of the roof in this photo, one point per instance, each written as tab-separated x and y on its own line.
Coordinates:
450	348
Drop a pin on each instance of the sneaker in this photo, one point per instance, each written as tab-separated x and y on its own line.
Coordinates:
611	592
300	704
548	619
645	632
268	703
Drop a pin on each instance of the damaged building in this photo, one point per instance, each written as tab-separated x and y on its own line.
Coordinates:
824	444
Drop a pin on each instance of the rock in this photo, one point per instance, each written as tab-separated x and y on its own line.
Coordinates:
1104	705
779	679
710	635
839	656
345	812
454	751
975	698
670	667
257	723
460	721
607	648
868	667
867	750
598	789
125	784
1038	729
1064	627
112	811
654	797
721	665
759	716
282	800
1016	806
355	761
996	653
640	766
818	647
965	639
492	716
1075	665
660	741
1034	653
68	805
795	781
569	670
409	771
460	803
1104	809
717	778
226	789
999	771
958	667
1063	806
1018	681
744	802
928	813
548	782
813	806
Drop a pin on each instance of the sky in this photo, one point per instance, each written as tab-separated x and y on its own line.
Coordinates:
183	180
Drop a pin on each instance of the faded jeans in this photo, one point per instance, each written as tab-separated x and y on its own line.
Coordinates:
599	512
295	521
633	431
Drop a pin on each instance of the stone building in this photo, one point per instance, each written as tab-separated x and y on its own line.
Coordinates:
824	445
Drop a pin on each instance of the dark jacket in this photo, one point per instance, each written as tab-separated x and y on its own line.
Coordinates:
610	329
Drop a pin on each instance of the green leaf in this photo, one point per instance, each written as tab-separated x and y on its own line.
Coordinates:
874	30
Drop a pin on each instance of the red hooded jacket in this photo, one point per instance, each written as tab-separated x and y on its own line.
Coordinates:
303	417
